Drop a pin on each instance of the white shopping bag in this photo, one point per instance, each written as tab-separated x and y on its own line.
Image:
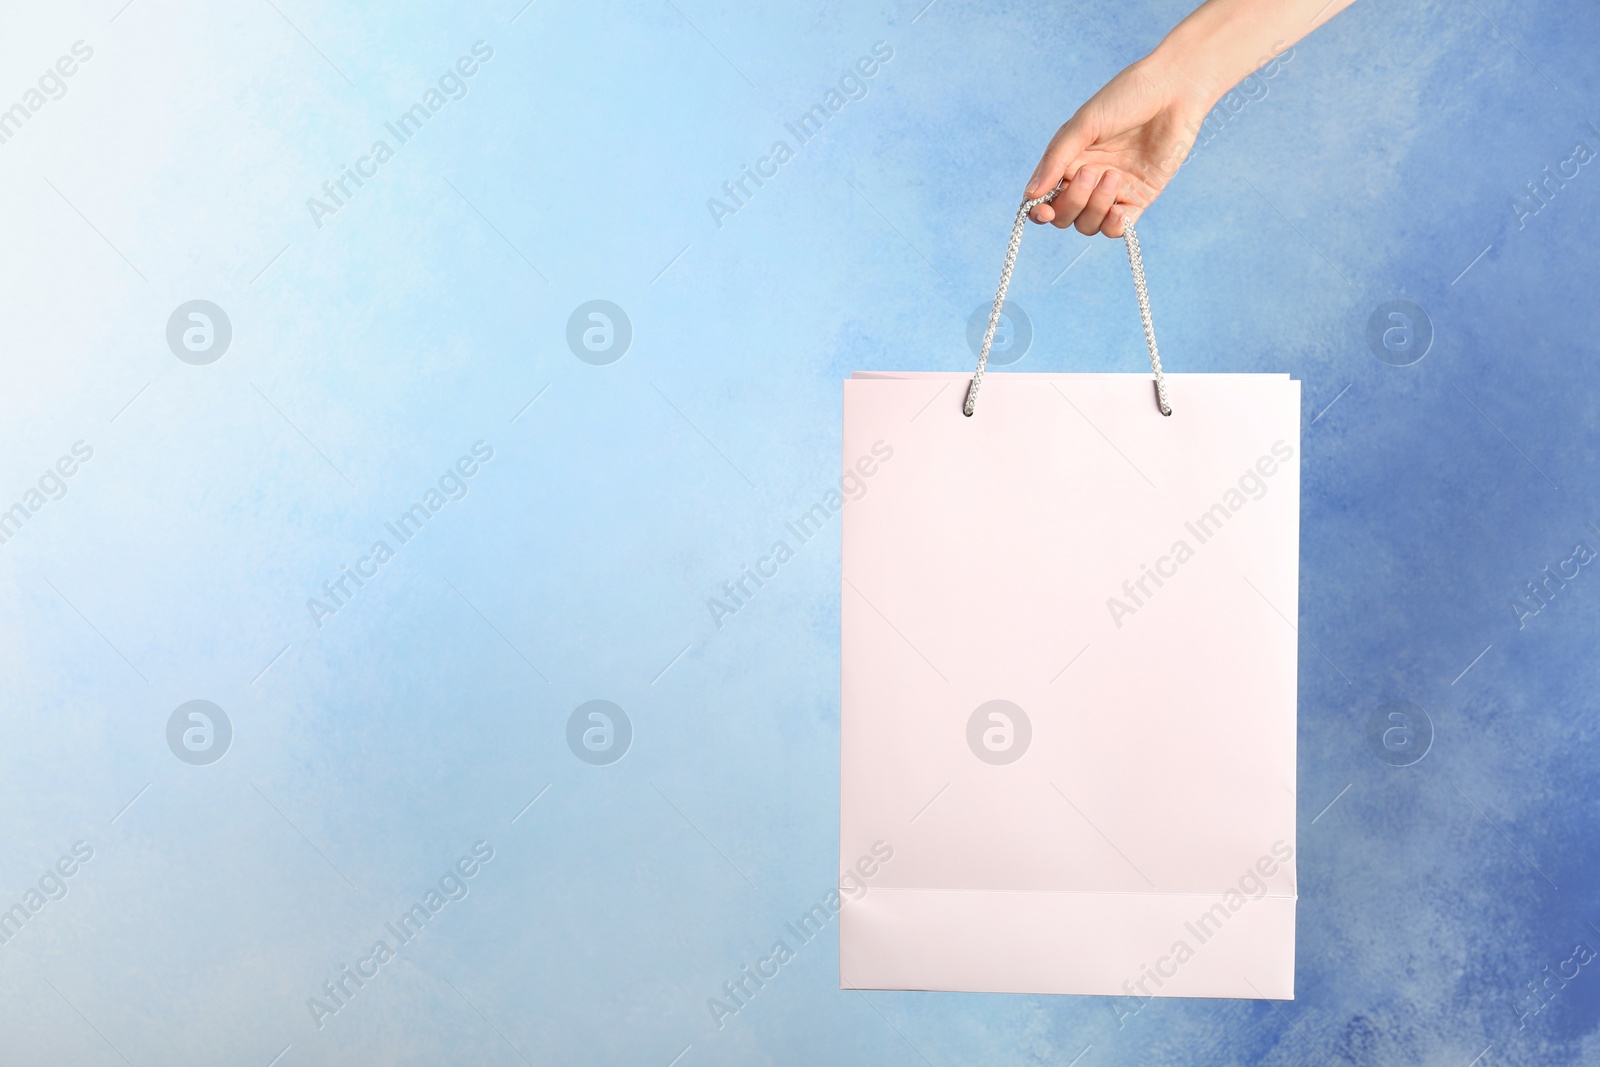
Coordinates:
1068	684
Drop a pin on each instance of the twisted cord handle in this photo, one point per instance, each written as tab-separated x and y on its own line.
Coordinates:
1135	262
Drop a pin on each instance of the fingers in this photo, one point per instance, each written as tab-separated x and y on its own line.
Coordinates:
1095	201
1070	140
1071	201
1093	215
1118	218
1064	147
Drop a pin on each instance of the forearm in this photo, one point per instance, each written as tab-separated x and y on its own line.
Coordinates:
1118	151
1222	41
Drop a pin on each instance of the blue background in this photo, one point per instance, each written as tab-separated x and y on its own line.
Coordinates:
372	351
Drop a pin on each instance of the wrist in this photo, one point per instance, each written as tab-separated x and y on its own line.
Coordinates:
1191	89
1197	61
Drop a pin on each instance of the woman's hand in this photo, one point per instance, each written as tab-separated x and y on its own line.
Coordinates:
1119	151
1123	146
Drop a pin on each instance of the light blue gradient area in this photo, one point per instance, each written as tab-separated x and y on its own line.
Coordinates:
368	354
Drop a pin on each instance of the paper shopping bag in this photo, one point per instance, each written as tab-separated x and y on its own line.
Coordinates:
1068	685
1067	707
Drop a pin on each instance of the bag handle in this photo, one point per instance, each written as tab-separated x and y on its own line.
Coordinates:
1135	262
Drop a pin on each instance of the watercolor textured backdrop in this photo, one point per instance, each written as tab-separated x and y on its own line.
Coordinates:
244	344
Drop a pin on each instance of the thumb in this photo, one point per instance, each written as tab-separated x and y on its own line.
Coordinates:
1070	140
